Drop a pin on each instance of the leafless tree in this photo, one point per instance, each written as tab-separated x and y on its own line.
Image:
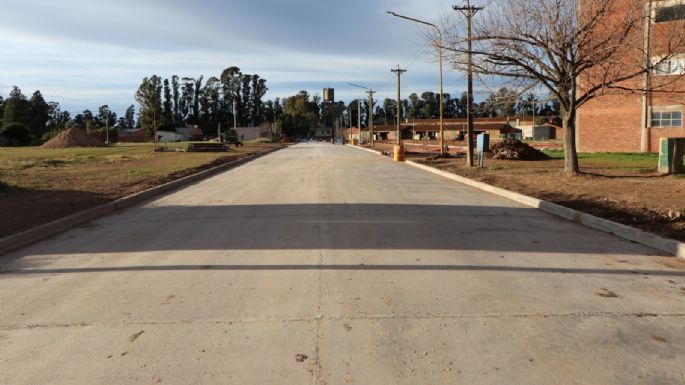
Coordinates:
578	50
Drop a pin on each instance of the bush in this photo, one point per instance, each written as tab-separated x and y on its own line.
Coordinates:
540	120
16	134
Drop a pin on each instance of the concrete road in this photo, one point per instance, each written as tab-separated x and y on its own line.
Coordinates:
372	271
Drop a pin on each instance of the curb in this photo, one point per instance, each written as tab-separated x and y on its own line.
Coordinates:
19	240
654	241
365	149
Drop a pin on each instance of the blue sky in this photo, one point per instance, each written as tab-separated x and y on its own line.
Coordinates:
85	53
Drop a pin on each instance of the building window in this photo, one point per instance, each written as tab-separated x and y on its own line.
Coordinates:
667	119
671	66
667	13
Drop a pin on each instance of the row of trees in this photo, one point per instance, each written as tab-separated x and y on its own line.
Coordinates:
295	115
503	103
32	120
171	104
22	119
166	104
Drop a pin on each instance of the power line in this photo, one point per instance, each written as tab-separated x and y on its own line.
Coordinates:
407	63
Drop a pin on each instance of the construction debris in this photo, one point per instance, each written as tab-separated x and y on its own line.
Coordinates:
73	137
512	149
207	147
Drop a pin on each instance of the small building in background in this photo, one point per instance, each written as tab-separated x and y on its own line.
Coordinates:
323	133
544	132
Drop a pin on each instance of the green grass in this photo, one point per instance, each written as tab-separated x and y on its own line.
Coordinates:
101	169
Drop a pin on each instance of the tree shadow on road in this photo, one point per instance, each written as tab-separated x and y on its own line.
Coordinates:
402	227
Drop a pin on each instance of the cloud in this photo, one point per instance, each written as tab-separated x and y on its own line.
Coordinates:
85	53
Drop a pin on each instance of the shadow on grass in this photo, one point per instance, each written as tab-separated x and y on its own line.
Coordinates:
23	209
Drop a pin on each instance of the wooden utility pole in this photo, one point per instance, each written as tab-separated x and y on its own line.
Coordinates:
469	11
399	73
371	92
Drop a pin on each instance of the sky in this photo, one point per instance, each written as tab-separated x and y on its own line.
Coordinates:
86	53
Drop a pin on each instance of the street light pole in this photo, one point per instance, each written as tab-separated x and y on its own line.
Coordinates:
235	118
107	125
370	92
359	121
439	46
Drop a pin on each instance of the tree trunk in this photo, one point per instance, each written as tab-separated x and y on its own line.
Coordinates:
571	166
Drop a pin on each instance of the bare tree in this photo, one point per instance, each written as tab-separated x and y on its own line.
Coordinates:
578	50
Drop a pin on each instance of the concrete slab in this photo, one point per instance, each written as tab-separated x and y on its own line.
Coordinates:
377	272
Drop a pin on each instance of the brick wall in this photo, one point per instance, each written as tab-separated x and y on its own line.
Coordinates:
613	123
610	123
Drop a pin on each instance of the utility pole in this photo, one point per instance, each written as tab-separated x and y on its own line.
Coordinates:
399	73
359	121
371	92
469	11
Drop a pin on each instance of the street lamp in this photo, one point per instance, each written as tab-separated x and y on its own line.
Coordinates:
370	92
106	111
439	46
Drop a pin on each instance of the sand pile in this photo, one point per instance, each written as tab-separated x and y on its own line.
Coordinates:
512	149
73	137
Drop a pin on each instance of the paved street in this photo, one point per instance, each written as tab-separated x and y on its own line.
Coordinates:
372	271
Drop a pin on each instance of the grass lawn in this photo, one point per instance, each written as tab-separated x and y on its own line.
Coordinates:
49	184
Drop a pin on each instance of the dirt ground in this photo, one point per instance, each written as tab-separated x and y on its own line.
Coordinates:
41	185
625	188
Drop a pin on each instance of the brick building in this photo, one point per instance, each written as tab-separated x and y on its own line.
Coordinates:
454	128
636	121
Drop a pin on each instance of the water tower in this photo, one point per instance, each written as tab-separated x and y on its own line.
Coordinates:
329	95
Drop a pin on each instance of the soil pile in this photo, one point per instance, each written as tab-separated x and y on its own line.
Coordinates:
286	140
73	137
512	149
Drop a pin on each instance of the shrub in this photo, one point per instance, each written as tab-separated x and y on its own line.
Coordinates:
17	134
